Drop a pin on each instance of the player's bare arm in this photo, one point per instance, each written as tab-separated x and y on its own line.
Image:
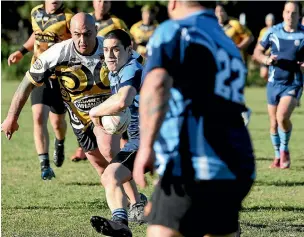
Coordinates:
262	58
154	98
114	104
245	42
10	125
18	55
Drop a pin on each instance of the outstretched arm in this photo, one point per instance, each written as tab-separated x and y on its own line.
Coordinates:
10	125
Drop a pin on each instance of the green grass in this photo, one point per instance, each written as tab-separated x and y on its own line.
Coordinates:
63	206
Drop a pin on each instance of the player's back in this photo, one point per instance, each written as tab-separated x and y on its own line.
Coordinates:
204	122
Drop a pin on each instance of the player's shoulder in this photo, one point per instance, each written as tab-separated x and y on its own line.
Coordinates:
136	25
164	33
277	27
116	19
234	22
131	69
61	47
68	12
36	9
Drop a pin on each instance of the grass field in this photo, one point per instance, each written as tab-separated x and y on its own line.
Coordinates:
62	207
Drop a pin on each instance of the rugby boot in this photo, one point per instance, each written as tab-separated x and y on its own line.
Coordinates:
47	172
116	227
285	160
59	155
79	155
136	213
275	164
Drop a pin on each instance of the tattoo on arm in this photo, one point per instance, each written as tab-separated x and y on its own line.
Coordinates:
20	97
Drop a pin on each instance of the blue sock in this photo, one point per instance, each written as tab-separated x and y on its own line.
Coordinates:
275	139
120	213
284	138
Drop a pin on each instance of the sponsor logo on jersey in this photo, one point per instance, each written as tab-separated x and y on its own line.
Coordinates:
297	42
85	104
38	65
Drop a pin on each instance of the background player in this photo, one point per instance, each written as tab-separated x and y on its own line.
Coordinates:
206	164
143	30
285	80
50	23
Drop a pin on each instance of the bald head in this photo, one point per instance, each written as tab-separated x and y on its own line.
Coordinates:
82	18
83	33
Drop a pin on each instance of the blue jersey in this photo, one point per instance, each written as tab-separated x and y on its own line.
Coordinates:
129	74
203	135
289	46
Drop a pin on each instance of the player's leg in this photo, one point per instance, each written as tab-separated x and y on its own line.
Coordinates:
97	160
159	230
78	155
40	113
59	125
272	100
109	146
285	108
57	119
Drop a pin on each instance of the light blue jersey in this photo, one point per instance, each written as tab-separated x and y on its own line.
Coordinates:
203	136
129	74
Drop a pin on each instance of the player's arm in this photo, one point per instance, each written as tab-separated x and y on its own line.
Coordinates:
10	125
154	98
247	38
115	103
18	55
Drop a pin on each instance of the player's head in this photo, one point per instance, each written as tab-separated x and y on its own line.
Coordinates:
269	20
148	14
221	13
83	33
117	49
102	7
180	8
291	13
52	5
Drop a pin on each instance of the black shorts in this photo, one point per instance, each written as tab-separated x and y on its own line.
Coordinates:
86	139
126	158
198	208
49	96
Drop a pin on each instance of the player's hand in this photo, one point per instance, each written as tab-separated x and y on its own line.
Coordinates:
271	60
301	66
144	161
14	58
9	126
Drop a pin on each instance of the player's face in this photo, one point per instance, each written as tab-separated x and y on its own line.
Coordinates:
52	5
147	17
269	22
84	37
291	14
116	56
221	14
101	6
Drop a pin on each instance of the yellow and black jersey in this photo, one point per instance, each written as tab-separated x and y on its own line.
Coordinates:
141	34
111	23
262	33
49	28
236	31
83	80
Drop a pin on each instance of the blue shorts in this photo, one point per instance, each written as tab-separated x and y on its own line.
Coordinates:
276	91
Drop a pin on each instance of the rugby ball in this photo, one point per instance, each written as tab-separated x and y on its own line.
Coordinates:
118	123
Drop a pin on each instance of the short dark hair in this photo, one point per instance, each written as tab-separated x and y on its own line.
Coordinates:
298	4
120	35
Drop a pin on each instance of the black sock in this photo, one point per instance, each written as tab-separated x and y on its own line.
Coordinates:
59	142
44	158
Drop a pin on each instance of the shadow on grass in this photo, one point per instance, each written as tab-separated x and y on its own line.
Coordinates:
82	184
275	227
280	183
95	204
272	208
264	158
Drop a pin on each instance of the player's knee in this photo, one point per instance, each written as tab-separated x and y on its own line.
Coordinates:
273	124
158	230
109	176
106	151
39	119
282	118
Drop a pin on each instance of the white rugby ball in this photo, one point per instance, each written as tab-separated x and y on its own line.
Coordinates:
118	123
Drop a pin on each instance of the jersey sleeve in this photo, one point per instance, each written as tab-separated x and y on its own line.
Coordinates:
43	66
265	41
131	76
162	47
